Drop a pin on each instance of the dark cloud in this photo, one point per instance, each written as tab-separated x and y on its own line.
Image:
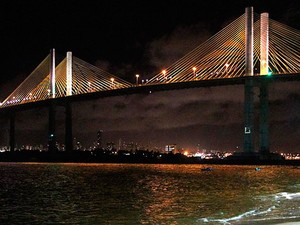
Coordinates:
103	64
292	14
169	48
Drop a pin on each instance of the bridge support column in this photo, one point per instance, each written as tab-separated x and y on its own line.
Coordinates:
51	131
68	132
12	120
249	115
263	117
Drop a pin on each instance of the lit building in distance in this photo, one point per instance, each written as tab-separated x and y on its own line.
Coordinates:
170	148
99	138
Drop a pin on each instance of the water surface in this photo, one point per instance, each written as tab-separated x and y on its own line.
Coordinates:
58	193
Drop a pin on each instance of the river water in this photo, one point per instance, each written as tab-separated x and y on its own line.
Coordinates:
58	193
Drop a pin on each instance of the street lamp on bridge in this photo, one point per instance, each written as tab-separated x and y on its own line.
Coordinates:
226	67
137	79
89	86
164	72
112	82
194	71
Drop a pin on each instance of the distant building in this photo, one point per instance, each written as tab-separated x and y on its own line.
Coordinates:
99	138
110	146
170	148
131	146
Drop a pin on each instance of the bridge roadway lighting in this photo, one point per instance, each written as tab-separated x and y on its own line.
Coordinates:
112	82
226	65
194	71
226	68
137	79
164	73
89	84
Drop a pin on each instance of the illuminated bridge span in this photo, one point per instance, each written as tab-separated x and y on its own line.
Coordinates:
72	76
223	55
246	51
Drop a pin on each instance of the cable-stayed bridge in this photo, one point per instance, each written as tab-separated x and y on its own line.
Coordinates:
72	76
223	55
252	50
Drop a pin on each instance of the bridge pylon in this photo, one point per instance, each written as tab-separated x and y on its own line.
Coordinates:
263	117
12	121
51	127
248	93
263	86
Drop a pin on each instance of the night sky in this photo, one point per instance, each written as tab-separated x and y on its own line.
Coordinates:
130	37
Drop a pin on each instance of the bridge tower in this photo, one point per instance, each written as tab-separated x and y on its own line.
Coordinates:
249	84
52	110
248	91
263	97
68	106
12	119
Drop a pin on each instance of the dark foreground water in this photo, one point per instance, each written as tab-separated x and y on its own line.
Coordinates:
51	193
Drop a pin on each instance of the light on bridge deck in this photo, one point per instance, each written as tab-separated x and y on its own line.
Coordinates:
164	72
137	79
194	70
112	82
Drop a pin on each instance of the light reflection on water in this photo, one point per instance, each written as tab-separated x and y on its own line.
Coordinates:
147	194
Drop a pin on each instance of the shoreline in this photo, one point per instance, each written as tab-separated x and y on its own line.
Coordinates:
289	223
92	157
